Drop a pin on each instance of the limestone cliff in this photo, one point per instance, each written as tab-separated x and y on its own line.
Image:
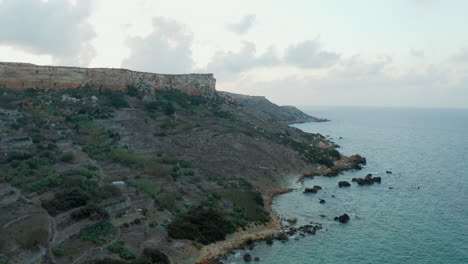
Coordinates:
21	76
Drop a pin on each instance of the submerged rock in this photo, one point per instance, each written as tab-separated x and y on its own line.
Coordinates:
247	257
292	220
322	201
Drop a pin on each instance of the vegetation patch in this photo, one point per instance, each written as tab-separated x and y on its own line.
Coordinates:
202	225
119	248
95	232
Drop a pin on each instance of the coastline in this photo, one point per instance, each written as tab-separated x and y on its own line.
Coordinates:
212	253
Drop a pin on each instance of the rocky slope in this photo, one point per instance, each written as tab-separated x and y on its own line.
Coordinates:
140	175
285	114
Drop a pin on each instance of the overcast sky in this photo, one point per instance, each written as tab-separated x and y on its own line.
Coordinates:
300	52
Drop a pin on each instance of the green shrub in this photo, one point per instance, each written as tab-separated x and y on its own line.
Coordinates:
118	247
95	232
19	155
65	200
67	157
132	90
50	180
146	187
202	225
118	100
152	106
169	109
88	171
90	211
59	252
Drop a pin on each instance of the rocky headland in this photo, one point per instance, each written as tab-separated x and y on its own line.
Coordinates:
116	166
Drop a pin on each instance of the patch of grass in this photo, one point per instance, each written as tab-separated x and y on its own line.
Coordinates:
88	171
126	157
146	187
95	232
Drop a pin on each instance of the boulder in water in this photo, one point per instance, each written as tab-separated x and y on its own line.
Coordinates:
343	218
314	189
344	184
247	257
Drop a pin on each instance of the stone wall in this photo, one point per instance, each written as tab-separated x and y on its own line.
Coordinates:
20	76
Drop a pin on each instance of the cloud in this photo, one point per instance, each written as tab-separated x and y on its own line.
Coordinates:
55	27
417	53
308	54
225	63
362	82
243	26
167	49
460	57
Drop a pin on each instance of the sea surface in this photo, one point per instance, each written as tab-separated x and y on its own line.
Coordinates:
418	214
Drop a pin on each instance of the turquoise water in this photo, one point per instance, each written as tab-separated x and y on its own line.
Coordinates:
422	219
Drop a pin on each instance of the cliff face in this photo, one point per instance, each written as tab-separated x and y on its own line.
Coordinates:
21	76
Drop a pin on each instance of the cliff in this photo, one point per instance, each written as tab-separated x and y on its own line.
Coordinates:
21	76
283	114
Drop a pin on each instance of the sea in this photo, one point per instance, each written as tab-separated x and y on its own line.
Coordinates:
417	214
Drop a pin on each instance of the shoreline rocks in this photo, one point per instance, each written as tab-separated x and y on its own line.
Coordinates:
314	189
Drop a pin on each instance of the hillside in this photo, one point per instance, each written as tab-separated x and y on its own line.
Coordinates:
138	175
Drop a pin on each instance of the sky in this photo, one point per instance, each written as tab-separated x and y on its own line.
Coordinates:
399	53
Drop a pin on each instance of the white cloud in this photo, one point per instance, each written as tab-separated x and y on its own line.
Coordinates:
243	26
308	54
55	27
232	63
167	49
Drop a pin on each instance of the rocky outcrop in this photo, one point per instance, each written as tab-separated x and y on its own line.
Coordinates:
314	189
284	114
344	218
344	184
21	76
367	180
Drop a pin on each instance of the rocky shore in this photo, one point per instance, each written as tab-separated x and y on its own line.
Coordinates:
275	229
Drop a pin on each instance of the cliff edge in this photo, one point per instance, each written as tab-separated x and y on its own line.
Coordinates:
22	76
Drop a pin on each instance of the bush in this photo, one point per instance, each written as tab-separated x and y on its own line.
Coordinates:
169	109
118	247
50	180
117	99
132	90
90	211
202	225
67	157
59	252
65	200
95	232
